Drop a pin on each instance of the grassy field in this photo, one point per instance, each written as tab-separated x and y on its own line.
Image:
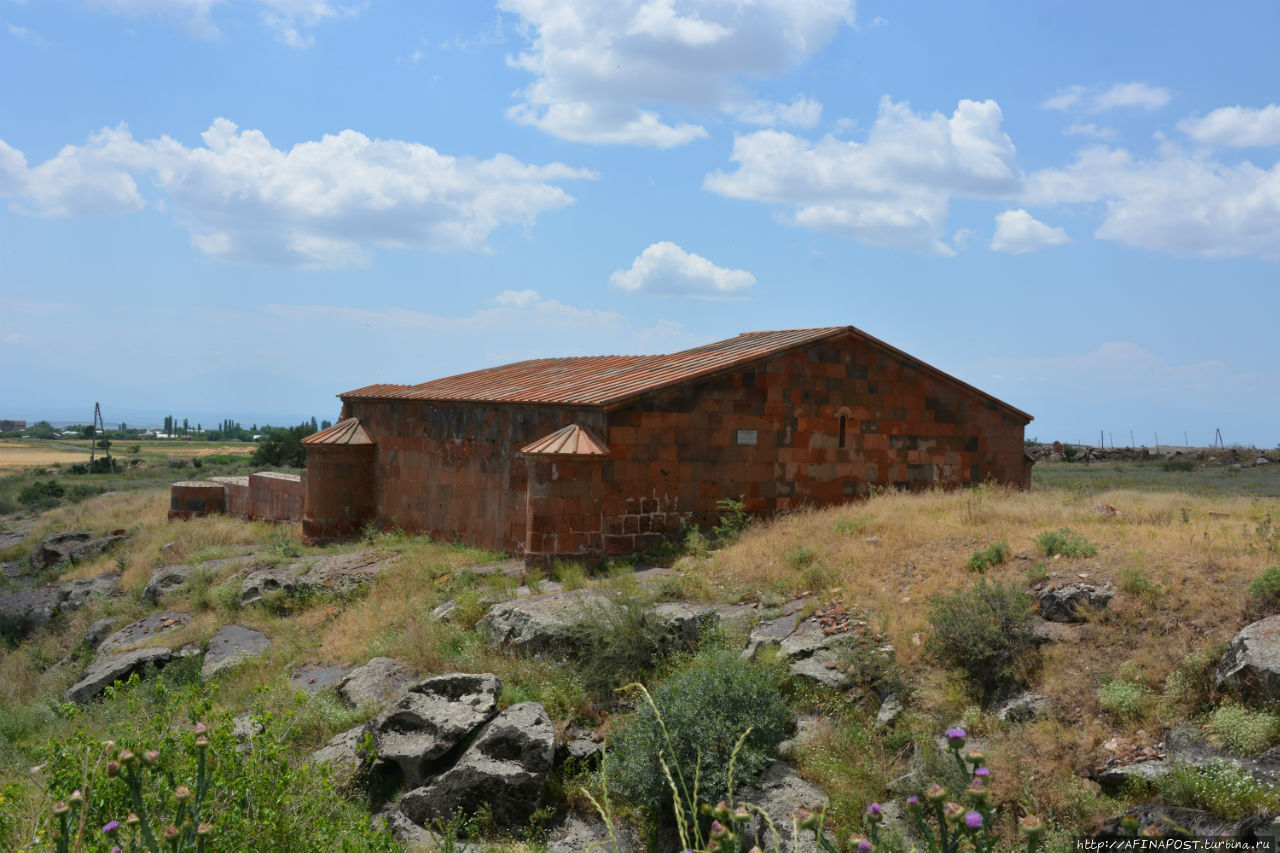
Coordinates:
18	454
1180	548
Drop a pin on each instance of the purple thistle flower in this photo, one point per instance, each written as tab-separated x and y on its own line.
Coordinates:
973	820
110	828
955	737
875	810
864	846
982	771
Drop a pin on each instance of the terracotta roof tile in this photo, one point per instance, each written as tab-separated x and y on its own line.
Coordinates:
608	381
572	440
347	432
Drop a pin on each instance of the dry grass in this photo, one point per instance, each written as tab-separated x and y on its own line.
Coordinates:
15	456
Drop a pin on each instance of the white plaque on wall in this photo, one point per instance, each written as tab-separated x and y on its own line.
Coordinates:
746	436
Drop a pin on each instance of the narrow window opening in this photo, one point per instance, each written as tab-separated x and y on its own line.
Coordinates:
842	424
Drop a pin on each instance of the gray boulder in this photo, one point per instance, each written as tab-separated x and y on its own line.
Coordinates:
230	647
69	547
1250	667
142	630
505	769
1023	708
313	679
1070	603
577	833
779	793
165	580
1114	778
890	710
342	750
343	574
377	682
430	719
540	624
96	633
103	673
24	612
273	579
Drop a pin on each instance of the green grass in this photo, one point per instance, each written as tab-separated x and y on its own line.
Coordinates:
1098	477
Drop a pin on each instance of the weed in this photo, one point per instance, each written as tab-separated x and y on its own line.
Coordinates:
571	574
1220	787
617	641
992	555
1066	543
1037	573
1134	582
689	728
800	557
984	630
1242	730
1126	700
1178	465
854	526
1190	684
1266	588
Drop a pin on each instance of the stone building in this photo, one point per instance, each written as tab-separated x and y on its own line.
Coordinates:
607	455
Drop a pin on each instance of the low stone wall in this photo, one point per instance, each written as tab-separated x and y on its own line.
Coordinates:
265	495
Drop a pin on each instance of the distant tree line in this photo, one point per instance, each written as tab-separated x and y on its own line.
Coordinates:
228	430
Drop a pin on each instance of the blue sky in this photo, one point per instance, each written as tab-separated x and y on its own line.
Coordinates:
240	208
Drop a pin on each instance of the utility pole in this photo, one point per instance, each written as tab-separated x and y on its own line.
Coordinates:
99	429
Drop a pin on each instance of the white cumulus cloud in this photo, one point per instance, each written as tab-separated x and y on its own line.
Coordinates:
613	72
893	189
665	269
1140	95
1239	127
1174	202
318	204
801	112
1018	232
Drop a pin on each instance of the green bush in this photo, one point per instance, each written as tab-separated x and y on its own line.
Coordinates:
617	643
734	519
1066	543
692	724
992	555
1178	465
1266	587
800	557
1191	683
985	631
38	495
853	526
1126	700
1242	730
1134	582
1220	787
252	800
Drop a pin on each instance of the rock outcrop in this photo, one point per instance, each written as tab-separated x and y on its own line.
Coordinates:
1250	667
26	611
70	546
431	718
230	647
505	770
104	672
1072	602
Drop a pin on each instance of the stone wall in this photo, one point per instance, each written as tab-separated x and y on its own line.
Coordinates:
452	471
815	426
339	491
266	495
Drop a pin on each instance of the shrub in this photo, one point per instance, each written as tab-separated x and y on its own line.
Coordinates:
1124	699
692	723
1219	787
1134	582
992	555
734	519
984	630
1066	543
40	495
617	643
1191	682
1178	465
800	557
1243	730
1266	587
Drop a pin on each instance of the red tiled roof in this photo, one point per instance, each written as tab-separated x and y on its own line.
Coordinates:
610	380
346	432
595	380
572	440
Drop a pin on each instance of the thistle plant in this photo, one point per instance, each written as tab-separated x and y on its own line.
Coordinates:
140	830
